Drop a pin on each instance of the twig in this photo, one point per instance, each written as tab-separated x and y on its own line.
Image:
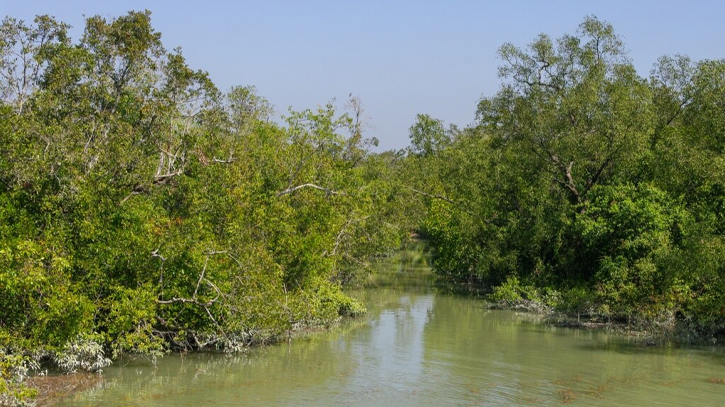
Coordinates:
293	189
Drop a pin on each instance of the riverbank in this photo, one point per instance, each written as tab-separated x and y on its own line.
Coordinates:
665	331
423	348
51	388
402	291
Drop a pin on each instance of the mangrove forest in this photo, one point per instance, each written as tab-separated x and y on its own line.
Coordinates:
145	211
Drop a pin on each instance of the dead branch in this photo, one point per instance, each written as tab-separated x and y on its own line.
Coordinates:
227	161
155	253
162	178
293	189
343	233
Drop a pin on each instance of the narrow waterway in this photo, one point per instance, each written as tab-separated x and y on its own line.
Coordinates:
419	348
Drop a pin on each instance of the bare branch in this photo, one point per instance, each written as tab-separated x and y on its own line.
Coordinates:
201	277
293	189
155	253
161	178
174	299
342	234
227	161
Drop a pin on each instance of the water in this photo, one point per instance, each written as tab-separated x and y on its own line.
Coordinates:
419	348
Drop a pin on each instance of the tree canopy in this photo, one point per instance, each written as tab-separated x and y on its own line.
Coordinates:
142	209
588	187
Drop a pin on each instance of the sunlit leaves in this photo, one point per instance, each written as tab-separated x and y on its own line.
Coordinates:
582	177
142	207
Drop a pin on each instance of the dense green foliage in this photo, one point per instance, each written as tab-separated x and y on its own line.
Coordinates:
586	186
141	209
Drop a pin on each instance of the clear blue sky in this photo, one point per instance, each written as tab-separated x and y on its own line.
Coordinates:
400	57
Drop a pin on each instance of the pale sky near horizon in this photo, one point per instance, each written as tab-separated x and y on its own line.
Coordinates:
401	57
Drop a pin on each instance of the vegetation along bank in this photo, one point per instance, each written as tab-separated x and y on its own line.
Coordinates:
143	210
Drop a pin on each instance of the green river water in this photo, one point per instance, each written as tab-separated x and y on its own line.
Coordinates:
419	348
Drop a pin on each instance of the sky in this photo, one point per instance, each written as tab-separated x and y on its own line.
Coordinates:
400	57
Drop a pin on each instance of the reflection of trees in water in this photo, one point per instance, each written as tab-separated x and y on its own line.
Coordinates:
505	358
415	253
260	372
407	269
